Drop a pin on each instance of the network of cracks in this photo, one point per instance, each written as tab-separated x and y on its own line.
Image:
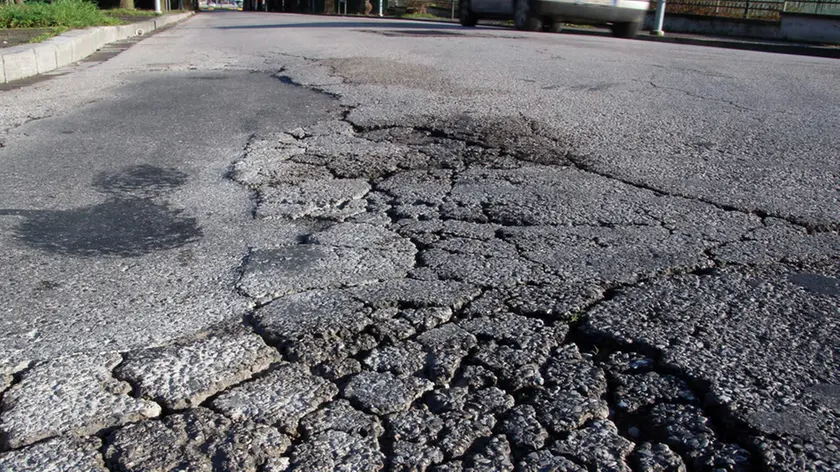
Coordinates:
470	296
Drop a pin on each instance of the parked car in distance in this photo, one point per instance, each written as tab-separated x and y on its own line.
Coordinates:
625	17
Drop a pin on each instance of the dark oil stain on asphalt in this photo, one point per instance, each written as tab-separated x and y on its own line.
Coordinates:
141	180
816	283
128	224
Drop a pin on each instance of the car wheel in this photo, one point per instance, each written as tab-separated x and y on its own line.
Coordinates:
524	17
555	27
626	30
466	15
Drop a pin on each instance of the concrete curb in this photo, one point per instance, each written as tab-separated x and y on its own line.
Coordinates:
24	61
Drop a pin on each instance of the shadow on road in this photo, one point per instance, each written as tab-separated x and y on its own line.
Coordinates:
356	24
127	224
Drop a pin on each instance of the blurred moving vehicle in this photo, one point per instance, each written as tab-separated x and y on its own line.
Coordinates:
625	17
205	5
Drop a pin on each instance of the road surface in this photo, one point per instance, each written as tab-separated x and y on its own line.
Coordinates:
280	242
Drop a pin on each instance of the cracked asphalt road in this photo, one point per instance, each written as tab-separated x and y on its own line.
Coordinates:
278	242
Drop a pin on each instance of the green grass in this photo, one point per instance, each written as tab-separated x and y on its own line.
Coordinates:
129	12
49	34
60	13
420	16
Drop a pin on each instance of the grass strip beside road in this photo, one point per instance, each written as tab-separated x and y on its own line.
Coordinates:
60	13
48	34
37	21
131	12
421	16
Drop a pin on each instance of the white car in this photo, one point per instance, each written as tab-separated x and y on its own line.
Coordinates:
624	16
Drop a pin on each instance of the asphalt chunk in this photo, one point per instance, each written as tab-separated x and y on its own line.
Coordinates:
338	450
59	454
656	457
74	395
280	398
184	374
384	393
198	440
316	326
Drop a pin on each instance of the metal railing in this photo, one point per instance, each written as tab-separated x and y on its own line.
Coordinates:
770	10
814	7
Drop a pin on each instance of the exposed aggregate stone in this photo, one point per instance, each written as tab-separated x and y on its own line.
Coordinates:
523	429
69	396
409	456
306	325
656	457
598	445
383	393
544	460
185	374
340	415
338	450
196	440
280	398
56	455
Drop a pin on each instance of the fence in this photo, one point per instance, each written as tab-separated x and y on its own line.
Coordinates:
753	10
770	10
814	7
749	9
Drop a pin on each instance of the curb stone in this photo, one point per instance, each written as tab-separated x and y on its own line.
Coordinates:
19	62
24	61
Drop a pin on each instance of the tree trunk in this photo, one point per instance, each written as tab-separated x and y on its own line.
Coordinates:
127	4
19	2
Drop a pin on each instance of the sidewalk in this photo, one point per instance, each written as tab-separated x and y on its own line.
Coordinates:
20	62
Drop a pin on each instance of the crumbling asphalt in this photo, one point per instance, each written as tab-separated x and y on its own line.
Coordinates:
462	292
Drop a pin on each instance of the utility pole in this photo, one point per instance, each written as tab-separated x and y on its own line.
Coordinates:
380	7
660	18
157	7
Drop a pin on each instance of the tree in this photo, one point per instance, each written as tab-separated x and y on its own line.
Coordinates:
127	4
